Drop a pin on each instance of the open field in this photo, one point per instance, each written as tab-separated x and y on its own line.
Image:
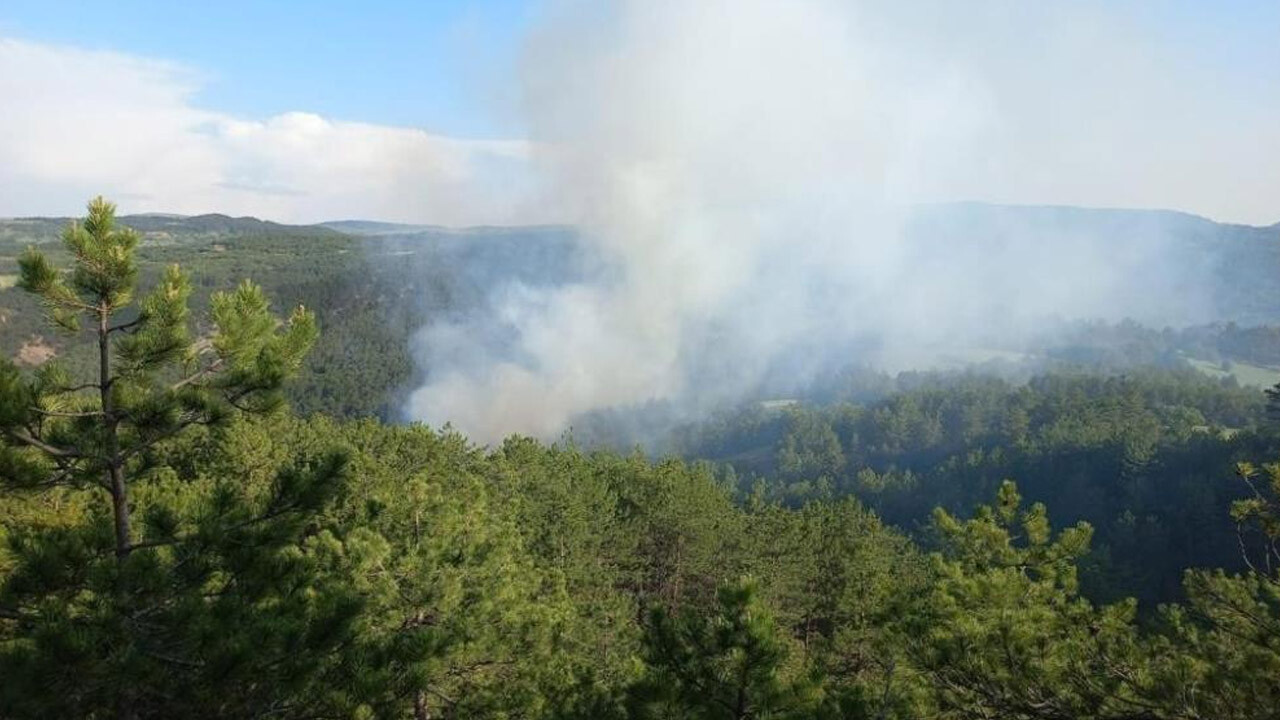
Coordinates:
1245	374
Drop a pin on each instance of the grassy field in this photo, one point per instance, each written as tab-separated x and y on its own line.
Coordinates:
1245	374
958	358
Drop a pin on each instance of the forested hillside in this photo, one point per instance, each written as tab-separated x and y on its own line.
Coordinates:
1180	268
374	285
1138	456
371	293
176	541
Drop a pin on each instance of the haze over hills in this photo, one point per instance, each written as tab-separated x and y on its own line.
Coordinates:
423	301
1163	267
1203	271
976	214
159	225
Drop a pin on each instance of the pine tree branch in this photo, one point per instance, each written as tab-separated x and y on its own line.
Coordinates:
174	660
214	367
125	327
77	388
149	443
59	413
68	303
158	543
447	700
265	517
59	479
27	438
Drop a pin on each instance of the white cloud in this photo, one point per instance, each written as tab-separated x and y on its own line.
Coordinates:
77	123
1025	103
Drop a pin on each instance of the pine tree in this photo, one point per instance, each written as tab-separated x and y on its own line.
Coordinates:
729	665
152	381
1005	632
1229	631
167	596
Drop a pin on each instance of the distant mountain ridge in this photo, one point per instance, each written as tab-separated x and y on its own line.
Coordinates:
377	229
165	226
218	223
47	229
1159	266
1081	216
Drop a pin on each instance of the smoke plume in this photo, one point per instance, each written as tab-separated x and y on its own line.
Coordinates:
747	178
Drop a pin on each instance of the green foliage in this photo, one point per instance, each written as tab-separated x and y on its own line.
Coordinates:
159	595
839	580
1137	457
299	568
149	381
231	605
170	547
1004	633
731	665
1229	631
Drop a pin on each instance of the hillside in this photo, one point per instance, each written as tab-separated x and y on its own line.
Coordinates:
371	292
161	227
374	284
835	551
1171	268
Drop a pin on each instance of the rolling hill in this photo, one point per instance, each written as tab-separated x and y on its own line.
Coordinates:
375	284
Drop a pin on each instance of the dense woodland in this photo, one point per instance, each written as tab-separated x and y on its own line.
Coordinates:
1139	456
177	541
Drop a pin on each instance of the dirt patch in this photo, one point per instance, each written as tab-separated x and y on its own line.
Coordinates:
35	351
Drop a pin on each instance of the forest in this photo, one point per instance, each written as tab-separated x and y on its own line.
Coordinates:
209	510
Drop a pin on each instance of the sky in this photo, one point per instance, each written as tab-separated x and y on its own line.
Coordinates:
429	64
429	111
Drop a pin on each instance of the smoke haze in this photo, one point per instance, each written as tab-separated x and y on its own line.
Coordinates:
746	177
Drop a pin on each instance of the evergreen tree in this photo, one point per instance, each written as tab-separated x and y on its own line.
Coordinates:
837	582
1004	632
152	381
1228	634
729	665
163	595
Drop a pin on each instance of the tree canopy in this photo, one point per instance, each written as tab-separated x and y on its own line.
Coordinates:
176	542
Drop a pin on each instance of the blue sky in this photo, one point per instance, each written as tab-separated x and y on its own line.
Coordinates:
436	64
446	65
447	111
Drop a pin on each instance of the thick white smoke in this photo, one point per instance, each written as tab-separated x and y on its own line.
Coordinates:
742	170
